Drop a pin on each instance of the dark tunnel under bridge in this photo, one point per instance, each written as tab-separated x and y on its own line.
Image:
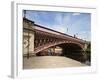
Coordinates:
71	50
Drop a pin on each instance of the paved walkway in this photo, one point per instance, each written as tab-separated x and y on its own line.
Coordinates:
49	62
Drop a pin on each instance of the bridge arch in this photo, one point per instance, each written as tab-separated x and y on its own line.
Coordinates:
60	43
73	50
69	49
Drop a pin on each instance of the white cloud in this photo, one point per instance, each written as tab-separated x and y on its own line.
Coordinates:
75	14
86	35
59	28
58	19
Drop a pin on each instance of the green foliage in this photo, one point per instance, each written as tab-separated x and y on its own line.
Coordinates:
88	51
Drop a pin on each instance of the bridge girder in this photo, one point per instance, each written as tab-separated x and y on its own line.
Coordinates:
44	40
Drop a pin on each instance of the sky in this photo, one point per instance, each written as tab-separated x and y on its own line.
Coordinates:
72	23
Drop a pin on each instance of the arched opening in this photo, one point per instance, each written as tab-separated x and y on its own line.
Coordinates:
51	51
71	50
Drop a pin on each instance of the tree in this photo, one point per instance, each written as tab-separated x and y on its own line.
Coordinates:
88	51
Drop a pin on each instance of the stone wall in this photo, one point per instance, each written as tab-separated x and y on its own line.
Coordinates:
28	38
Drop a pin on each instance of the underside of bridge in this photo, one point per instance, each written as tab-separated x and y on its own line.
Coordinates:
70	50
73	51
